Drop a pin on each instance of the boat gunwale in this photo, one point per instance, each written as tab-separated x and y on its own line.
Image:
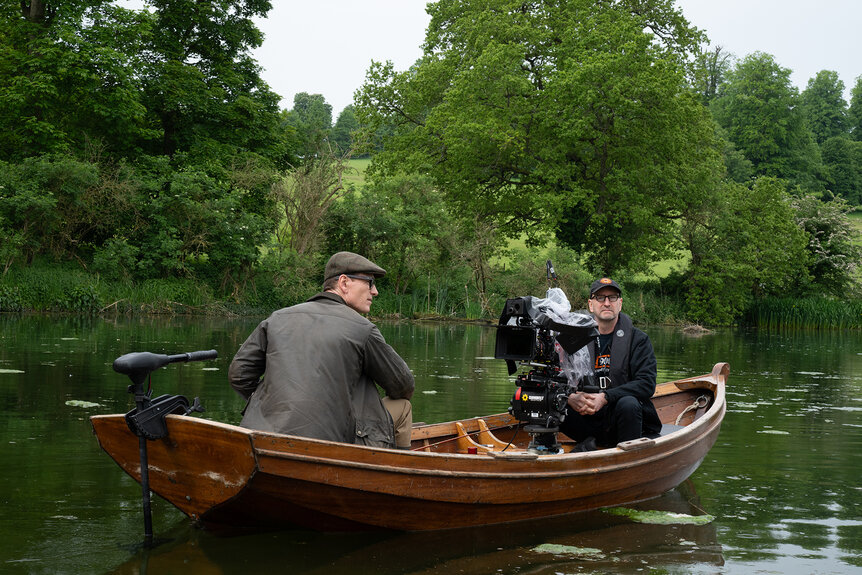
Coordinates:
714	382
566	464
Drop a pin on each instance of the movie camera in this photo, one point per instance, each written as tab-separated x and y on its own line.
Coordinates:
544	337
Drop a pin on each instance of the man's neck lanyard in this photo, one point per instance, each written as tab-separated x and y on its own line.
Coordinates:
603	364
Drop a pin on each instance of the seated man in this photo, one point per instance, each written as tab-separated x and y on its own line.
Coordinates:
322	360
625	368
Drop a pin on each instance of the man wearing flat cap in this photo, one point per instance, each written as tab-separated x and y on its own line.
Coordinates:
625	367
321	360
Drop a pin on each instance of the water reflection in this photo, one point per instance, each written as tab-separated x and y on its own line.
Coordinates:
624	546
782	479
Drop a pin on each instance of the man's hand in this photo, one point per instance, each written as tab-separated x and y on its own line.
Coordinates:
587	403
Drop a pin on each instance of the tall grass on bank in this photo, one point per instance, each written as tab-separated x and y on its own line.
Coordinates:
809	313
66	288
438	303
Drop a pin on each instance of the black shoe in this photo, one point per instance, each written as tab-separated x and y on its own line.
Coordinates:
589	444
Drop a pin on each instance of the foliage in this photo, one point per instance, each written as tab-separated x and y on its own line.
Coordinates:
759	109
531	117
810	313
47	201
842	160
710	72
69	77
10	299
748	247
201	87
345	126
403	225
834	258
285	278
135	224
50	287
144	165
823	106
738	168
305	194
854	113
139	142
309	122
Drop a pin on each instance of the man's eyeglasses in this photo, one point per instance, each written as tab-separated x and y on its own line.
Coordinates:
369	280
611	298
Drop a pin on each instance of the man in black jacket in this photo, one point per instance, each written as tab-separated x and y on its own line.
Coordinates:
625	368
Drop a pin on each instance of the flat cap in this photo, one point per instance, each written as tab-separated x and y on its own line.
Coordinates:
350	263
602	283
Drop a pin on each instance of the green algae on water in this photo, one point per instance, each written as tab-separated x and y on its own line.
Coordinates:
586	552
661	517
84	404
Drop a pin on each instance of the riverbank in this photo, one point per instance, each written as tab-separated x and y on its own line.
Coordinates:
63	289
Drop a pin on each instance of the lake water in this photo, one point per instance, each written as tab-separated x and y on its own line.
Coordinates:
782	482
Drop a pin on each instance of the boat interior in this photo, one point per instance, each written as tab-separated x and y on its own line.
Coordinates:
503	434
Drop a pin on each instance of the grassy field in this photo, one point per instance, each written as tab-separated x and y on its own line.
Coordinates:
356	175
856	220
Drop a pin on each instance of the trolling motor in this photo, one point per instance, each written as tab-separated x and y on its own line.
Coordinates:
147	420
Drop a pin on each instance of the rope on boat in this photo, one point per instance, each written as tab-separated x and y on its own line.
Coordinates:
699	403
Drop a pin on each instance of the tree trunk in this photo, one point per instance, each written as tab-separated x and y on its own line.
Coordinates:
36	10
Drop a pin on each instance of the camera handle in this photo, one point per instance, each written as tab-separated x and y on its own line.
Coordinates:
147	420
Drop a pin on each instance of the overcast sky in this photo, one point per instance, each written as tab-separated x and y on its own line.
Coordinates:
326	46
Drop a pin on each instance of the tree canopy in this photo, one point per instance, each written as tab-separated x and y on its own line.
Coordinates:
824	107
573	116
142	144
759	109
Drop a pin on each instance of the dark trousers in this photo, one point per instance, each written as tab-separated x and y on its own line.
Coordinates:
614	423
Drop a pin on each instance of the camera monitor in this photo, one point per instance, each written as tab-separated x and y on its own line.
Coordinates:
515	343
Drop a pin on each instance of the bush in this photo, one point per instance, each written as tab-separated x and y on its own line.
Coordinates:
10	299
82	298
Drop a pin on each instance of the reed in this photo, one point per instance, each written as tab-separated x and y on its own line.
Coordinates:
57	288
807	313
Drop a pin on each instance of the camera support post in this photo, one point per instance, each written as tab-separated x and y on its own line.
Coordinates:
147	420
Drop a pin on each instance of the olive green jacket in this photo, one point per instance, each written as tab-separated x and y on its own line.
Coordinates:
322	360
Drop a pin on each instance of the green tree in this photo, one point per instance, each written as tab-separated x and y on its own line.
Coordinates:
537	117
403	224
842	159
709	72
202	88
310	120
824	107
305	194
833	248
749	246
759	109
68	78
345	126
738	167
854	113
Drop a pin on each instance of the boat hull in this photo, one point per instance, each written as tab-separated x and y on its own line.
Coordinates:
229	477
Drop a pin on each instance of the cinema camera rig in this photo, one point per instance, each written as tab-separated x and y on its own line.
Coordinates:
533	334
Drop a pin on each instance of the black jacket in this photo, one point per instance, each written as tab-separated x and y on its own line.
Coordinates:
633	370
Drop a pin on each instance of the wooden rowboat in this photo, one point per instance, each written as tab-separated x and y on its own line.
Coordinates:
457	474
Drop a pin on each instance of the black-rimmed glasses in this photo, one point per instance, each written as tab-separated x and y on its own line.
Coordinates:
369	280
611	298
